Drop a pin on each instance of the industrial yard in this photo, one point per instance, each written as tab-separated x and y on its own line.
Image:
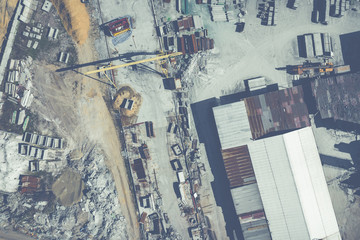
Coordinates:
179	119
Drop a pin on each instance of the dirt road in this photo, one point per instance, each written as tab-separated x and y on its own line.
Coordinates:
100	128
7	8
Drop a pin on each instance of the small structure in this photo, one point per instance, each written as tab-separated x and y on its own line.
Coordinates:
46	6
118	26
53	33
181	177
29	184
138	168
190	44
28	7
43	141
342	69
127	104
145	201
64	57
309	45
186	24
176	165
149	129
34	166
143	217
21	117
172	83
318	47
218	13
255	83
144	151
176	149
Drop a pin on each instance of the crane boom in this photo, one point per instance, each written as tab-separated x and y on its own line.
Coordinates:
134	63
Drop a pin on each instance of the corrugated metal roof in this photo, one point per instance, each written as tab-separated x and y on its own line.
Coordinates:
256	230
277	111
292	187
338	97
246	199
309	45
238	166
232	124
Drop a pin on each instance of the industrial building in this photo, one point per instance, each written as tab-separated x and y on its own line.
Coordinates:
264	114
337	97
273	167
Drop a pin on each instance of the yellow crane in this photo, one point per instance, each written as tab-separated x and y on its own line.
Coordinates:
134	63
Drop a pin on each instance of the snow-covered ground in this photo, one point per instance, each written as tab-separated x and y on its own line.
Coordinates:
12	164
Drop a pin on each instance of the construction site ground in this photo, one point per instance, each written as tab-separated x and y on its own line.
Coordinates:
75	104
260	49
237	56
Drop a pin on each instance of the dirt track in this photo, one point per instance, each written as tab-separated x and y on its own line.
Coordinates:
100	128
7	8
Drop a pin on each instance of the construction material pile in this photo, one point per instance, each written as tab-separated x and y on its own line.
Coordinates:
75	18
68	188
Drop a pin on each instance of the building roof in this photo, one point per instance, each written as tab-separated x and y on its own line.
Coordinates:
246	199
256	230
338	97
139	168
232	124
277	111
238	166
293	187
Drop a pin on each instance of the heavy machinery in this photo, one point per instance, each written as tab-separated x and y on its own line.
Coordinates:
310	68
101	74
135	63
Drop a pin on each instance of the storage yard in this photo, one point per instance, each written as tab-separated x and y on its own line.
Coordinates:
182	119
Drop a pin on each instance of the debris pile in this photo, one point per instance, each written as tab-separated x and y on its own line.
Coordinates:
18	82
96	216
101	200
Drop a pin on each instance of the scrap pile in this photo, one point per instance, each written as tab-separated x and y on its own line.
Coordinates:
339	7
227	11
268	13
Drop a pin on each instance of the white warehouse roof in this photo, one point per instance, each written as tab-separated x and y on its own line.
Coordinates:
232	124
293	188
